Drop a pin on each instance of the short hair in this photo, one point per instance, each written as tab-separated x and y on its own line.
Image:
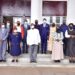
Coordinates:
32	24
45	19
18	21
25	20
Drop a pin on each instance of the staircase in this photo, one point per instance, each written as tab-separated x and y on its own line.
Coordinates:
43	60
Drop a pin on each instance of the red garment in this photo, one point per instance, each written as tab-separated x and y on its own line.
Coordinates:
22	32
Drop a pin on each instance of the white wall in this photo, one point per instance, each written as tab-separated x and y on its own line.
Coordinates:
71	11
55	0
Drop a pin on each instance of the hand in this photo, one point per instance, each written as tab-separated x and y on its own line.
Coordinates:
21	45
47	37
57	40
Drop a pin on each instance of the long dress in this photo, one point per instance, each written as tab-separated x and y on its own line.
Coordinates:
15	41
57	52
70	51
50	42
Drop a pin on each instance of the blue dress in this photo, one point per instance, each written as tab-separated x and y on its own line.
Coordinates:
15	44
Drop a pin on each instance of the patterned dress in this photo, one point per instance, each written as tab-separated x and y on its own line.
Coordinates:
50	42
57	52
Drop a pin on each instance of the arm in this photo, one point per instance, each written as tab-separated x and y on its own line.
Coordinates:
54	36
39	38
48	32
62	37
67	35
28	37
22	32
6	35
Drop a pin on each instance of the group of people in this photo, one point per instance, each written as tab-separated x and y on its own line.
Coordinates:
59	40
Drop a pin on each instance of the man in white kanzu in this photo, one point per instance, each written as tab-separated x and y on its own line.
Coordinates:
33	40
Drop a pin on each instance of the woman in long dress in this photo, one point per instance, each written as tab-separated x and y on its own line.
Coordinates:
15	44
50	42
70	34
57	51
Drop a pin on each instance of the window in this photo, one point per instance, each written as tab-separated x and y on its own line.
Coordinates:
57	19
15	19
64	19
51	20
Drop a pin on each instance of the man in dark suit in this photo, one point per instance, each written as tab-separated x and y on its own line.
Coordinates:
44	32
63	29
26	27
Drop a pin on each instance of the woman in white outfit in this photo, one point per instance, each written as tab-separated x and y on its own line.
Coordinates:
57	52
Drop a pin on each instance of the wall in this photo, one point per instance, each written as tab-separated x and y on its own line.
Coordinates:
21	7
71	11
55	8
15	7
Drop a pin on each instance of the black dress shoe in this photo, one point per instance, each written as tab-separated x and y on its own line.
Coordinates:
57	61
17	60
74	61
71	61
33	61
13	60
1	60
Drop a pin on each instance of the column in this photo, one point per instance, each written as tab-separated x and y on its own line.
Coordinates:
36	10
71	11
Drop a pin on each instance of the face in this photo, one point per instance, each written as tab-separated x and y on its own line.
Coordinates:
25	23
18	24
53	25
3	26
8	23
36	22
70	26
44	21
15	31
32	27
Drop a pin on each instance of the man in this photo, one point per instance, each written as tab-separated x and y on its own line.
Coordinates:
44	32
9	29
3	42
8	25
25	27
63	29
18	26
33	40
37	26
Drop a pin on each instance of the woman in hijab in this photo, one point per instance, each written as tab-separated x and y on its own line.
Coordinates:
70	34
57	51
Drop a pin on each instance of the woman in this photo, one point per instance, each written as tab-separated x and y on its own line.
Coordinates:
50	42
15	43
70	34
57	52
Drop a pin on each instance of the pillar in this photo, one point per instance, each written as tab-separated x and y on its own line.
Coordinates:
36	10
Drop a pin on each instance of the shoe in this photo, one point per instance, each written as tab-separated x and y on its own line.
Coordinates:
3	60
17	60
57	61
13	60
71	61
33	61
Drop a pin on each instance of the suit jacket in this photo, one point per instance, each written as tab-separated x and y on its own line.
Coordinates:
44	31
